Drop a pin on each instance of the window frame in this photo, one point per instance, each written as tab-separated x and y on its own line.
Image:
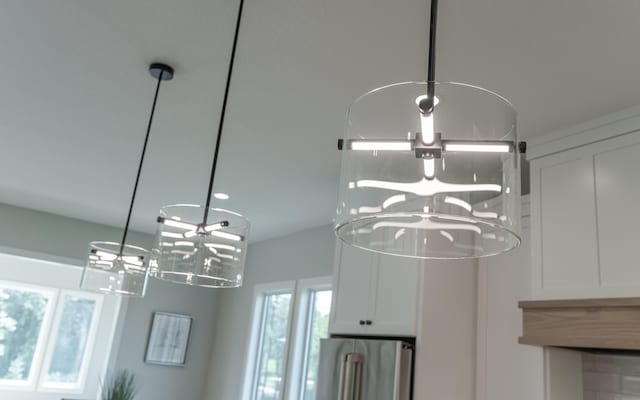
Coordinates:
294	388
298	329
260	293
34	370
47	338
53	336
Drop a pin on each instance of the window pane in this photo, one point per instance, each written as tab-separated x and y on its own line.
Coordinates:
21	314
318	329
273	342
71	341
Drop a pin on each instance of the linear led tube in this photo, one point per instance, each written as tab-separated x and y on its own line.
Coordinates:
226	235
216	226
381	145
477	147
177	224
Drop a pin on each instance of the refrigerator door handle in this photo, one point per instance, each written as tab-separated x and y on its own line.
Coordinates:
350	386
358	363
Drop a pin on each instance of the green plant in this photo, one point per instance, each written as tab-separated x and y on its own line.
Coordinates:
121	387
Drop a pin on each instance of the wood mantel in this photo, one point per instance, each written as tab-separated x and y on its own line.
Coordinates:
583	323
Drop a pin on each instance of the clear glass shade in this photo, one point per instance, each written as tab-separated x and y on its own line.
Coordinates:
212	258
109	271
462	203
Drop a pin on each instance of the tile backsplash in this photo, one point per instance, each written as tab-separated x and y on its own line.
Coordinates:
611	377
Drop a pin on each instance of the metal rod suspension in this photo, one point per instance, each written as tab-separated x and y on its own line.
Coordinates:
223	112
144	150
431	71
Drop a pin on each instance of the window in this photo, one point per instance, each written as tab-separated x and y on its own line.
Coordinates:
273	342
44	336
317	328
289	319
22	317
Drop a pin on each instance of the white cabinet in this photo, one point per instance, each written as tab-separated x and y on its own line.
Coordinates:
506	370
352	275
585	220
374	294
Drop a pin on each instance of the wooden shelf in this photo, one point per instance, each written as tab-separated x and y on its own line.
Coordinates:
584	323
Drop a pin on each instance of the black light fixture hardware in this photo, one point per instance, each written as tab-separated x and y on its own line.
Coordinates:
430	169
429	147
120	268
192	250
162	72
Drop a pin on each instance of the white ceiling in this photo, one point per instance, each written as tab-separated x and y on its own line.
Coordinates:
75	94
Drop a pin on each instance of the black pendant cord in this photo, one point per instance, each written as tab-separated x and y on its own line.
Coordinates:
223	112
144	150
431	72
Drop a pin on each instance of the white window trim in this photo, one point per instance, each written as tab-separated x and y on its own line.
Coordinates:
299	342
42	386
41	345
43	270
47	337
255	336
299	308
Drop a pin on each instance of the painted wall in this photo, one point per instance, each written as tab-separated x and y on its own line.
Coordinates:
55	238
301	255
158	382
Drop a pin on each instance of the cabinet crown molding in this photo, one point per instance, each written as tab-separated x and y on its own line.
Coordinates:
595	130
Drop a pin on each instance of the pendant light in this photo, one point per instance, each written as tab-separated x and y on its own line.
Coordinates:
121	268
203	246
430	170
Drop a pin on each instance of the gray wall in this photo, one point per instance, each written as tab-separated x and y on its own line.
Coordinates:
305	254
54	238
159	382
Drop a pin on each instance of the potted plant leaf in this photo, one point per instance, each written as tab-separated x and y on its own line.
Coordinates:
121	387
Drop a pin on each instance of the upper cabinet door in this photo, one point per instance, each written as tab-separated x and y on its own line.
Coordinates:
584	219
394	308
352	279
617	167
374	294
564	222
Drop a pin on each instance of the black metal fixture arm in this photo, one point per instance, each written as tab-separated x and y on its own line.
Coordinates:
162	72
223	111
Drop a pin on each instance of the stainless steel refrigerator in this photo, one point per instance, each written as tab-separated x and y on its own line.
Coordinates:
361	369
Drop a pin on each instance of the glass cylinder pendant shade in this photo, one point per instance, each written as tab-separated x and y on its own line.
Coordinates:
188	252
113	272
440	184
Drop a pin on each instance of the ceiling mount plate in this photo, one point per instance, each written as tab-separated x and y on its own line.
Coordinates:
156	68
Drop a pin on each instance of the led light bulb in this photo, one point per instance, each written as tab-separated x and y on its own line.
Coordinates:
226	235
428	130
178	224
430	168
373	145
477	147
106	256
216	226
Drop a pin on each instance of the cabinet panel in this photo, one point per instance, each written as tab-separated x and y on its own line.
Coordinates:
504	280
394	306
567	234
354	270
618	197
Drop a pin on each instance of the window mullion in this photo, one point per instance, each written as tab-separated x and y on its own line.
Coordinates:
260	342
306	342
292	340
47	338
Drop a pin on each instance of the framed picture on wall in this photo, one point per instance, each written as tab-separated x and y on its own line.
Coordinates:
168	339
